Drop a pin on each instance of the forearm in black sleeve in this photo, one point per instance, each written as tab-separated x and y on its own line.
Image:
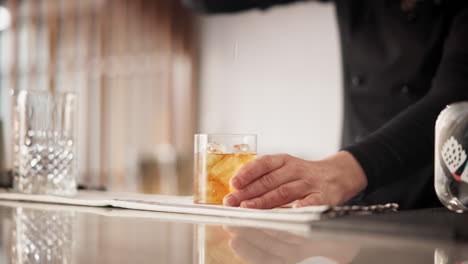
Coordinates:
227	6
407	141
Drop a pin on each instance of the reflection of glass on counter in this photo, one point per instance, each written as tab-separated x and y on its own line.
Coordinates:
40	236
212	246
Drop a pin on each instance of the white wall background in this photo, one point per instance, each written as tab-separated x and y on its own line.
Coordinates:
275	73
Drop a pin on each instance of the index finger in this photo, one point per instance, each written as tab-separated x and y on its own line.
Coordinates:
271	234
274	246
256	169
250	253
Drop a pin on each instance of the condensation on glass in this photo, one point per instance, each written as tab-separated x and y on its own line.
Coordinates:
44	148
451	163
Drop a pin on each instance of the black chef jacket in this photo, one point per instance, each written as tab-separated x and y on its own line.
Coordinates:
403	62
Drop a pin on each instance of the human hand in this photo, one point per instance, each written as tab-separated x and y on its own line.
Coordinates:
275	180
254	245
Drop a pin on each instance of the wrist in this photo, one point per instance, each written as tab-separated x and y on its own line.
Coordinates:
348	178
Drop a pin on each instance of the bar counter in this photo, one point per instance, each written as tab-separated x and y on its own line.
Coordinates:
44	233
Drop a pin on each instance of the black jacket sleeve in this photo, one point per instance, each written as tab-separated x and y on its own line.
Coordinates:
407	141
228	6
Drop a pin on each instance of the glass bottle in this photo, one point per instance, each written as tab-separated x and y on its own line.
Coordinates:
451	157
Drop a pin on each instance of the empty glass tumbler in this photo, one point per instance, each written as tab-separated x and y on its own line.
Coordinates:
451	160
44	149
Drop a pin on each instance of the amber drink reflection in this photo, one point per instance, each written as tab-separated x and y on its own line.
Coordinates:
217	159
212	246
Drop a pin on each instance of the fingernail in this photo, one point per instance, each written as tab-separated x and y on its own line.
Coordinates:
228	228
232	230
297	205
230	200
234	244
235	183
247	204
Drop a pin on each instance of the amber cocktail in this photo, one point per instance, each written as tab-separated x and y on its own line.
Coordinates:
217	159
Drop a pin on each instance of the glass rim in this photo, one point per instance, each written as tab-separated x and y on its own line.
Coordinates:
208	134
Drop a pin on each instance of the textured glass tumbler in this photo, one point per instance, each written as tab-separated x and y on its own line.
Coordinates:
45	156
217	159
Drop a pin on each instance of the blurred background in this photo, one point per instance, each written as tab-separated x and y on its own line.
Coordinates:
149	74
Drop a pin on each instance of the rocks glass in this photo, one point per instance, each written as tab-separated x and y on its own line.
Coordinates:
217	159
